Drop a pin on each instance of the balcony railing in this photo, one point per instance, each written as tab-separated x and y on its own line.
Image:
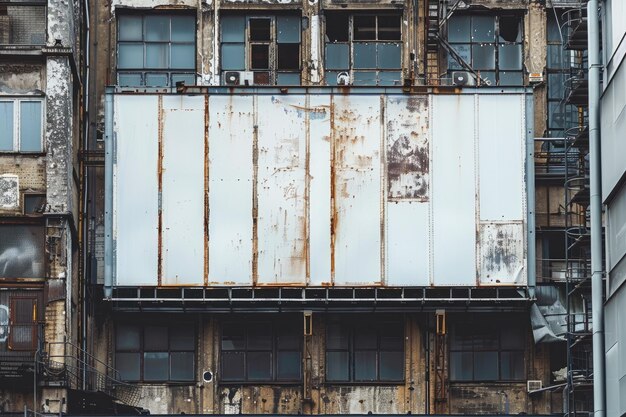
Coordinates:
18	344
22	22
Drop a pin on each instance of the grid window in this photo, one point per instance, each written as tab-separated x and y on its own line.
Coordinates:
21	125
366	47
155	353
156	50
364	351
487	353
491	45
260	352
266	48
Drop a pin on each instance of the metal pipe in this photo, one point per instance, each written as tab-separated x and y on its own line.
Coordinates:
530	199
597	302
108	193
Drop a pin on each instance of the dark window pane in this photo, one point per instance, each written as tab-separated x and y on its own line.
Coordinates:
286	341
6	126
389	55
485	339
556	88
288	78
233	28
155	338
188	79
364	28
157	28
260	336
557	57
389	28
262	78
233	337
288	29
129	28
233	56
233	366
364	55
462	338
391	366
485	366
183	28
127	337
260	57
288	366
30	126
459	29
182	338
130	55
331	77
337	368
510	57
512	366
156	80
183	56
511	78
389	78
157	55
510	29
288	56
365	78
483	56
554	32
464	52
483	29
128	365
337	337
461	364
129	79
365	366
181	366
34	203
259	366
155	366
489	77
337	27
337	56
260	29
365	338
391	338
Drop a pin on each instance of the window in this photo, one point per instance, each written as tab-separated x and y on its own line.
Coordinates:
22	251
155	353
365	46
23	24
266	46
490	352
23	323
21	125
261	351
156	50
489	44
364	350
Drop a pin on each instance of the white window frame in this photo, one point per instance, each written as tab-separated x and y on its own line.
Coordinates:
17	101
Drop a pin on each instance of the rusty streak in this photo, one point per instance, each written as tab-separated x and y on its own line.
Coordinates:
307	194
206	190
333	209
160	189
383	191
255	197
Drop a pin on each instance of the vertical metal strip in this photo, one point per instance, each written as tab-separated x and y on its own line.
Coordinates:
160	191
206	190
255	197
108	193
531	274
431	218
307	190
477	259
333	209
383	190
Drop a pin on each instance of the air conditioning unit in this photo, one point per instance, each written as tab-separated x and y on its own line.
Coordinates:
238	78
463	78
343	78
533	385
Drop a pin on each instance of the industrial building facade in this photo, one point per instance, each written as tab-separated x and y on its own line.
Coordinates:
296	207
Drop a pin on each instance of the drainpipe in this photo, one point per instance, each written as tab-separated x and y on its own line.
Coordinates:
597	301
108	193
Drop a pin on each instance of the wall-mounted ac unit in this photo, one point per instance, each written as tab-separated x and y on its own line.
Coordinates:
238	78
533	385
463	78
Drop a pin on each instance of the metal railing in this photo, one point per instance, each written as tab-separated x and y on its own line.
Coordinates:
23	22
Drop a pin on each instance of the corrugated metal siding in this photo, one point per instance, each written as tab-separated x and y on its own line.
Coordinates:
320	189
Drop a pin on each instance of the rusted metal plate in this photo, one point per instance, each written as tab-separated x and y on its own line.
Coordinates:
454	191
182	192
231	134
408	155
501	157
319	190
357	190
281	190
136	202
501	251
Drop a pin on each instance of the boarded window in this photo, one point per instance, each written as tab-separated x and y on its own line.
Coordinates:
21	251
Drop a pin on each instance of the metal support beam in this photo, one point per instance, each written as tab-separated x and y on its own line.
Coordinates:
108	193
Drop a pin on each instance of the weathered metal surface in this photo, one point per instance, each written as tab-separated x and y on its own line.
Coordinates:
182	192
136	191
320	189
454	191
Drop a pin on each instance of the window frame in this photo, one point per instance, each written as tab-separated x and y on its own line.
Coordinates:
145	71
245	325
273	71
330	74
17	125
352	325
142	350
497	329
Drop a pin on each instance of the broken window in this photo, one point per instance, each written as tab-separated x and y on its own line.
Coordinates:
364	351
21	125
260	50
155	353
22	251
254	351
493	352
363	49
156	50
491	45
